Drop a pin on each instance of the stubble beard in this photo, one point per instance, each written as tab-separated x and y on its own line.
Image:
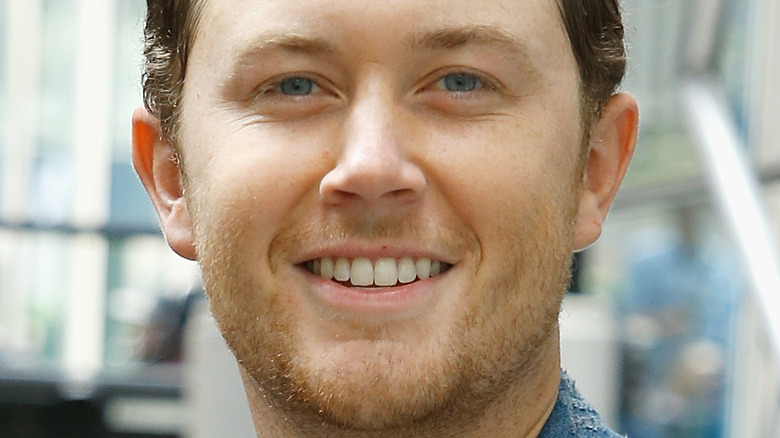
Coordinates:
395	390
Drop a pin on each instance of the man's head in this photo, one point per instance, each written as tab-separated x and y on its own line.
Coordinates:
384	196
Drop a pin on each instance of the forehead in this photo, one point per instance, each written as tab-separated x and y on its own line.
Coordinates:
229	27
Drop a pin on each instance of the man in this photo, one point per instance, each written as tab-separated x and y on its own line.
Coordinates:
384	198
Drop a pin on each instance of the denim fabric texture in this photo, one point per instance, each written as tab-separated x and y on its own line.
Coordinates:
573	417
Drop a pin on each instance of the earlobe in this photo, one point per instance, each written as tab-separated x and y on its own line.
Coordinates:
613	139
156	164
589	223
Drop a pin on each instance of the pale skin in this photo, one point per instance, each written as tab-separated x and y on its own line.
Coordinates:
446	130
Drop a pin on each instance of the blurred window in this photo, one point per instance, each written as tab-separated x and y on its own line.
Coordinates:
732	59
75	293
59	45
128	47
664	156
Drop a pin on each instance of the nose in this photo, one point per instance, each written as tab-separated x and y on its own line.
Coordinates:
374	166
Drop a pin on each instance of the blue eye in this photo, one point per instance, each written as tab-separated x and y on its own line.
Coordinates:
297	86
460	82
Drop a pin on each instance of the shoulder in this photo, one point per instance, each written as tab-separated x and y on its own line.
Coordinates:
572	416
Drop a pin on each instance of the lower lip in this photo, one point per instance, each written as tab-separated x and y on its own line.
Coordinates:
396	301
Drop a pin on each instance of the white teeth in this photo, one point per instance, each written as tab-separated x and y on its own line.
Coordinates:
341	269
362	273
315	267
326	268
383	272
407	272
423	268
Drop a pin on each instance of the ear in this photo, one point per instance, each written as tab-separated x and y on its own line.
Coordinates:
612	143
157	166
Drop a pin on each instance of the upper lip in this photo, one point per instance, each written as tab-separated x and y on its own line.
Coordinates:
375	249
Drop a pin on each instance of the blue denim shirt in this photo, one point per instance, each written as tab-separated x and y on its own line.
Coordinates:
573	417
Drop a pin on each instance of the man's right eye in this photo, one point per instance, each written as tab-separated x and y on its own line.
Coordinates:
459	82
293	95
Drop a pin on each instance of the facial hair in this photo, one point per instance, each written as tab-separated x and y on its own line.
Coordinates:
498	330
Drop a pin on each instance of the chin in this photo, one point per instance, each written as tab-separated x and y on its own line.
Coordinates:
376	404
372	385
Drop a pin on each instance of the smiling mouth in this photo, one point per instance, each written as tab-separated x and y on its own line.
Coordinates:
383	272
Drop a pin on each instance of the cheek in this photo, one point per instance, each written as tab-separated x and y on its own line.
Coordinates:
508	176
514	186
254	178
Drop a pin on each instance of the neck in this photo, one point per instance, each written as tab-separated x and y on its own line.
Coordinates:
520	410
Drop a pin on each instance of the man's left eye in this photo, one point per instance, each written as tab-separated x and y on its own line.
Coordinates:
459	82
297	86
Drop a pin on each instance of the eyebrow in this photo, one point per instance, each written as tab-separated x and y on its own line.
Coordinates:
461	36
285	42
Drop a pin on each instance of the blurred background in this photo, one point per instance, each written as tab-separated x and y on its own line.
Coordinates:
671	328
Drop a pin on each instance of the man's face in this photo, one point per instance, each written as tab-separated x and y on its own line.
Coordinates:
394	136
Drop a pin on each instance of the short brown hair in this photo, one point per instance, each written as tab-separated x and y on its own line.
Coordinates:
169	33
594	27
595	30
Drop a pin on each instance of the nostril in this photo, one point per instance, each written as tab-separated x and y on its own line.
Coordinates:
400	194
339	196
